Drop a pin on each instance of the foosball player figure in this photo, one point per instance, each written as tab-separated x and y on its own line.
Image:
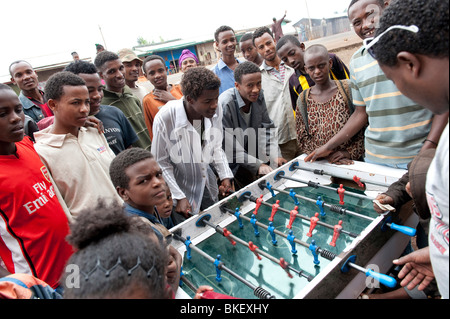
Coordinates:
269	187
293	214
227	234
336	233
292	194
291	238
253	249
253	222
218	271
320	203
238	216
274	210
258	204
313	223
341	191
357	180
313	248
285	266
188	242
271	230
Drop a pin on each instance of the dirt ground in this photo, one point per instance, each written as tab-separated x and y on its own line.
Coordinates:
345	54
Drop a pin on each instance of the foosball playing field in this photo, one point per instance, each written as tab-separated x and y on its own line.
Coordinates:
290	235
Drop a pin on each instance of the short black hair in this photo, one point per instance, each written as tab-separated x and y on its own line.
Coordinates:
54	88
5	87
432	18
244	68
17	62
288	38
220	30
104	57
260	32
151	58
124	160
196	80
114	254
81	67
246	37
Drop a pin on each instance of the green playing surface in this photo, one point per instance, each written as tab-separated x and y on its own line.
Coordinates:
266	273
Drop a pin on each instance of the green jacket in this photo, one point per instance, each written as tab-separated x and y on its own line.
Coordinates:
132	108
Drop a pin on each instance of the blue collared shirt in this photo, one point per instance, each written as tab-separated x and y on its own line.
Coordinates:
130	210
225	74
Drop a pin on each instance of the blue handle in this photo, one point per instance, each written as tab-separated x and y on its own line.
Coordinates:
404	229
384	279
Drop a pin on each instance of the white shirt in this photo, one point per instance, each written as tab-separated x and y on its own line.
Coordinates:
278	101
79	166
437	189
184	161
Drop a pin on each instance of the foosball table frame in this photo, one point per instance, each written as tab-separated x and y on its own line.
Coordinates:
372	246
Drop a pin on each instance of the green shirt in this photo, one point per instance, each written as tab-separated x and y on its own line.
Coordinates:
132	108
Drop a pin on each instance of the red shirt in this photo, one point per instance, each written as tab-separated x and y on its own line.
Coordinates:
33	225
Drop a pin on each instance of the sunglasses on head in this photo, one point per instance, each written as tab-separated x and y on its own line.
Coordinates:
370	42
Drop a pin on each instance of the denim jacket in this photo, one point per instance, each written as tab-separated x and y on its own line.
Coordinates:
31	109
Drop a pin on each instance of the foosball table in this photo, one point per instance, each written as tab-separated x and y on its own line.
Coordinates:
306	230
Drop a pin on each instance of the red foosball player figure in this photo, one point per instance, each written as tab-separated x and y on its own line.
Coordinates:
337	232
274	210
357	180
258	204
313	224
341	191
293	214
283	263
227	234
253	248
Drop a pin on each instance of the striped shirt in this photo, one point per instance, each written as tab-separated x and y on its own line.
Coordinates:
185	157
398	126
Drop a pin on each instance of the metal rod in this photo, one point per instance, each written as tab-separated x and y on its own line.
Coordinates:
265	294
333	208
325	253
317	185
259	251
302	216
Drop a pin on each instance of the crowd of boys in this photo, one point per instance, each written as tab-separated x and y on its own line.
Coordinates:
153	159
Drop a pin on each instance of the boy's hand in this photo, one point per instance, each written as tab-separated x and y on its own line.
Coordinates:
225	187
417	269
183	207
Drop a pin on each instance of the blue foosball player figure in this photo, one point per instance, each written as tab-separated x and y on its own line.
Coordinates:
253	222
313	248
320	203
271	229
292	194
218	271
188	242
238	216
291	238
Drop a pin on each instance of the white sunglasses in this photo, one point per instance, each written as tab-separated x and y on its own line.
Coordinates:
370	42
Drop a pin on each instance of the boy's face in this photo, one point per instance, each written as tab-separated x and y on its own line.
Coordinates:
249	50
318	67
131	70
112	73
165	208
72	108
266	47
95	88
250	87
24	76
156	73
11	117
226	43
292	55
364	15
206	104
146	188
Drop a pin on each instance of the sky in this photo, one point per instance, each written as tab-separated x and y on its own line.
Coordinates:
32	28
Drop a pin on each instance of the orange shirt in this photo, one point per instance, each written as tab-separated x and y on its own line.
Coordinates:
151	106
